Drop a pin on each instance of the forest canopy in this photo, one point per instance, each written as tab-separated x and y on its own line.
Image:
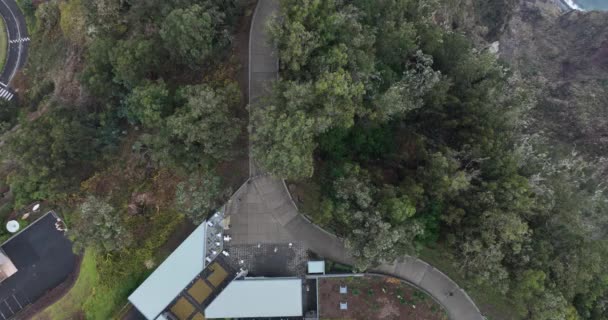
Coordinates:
416	138
408	136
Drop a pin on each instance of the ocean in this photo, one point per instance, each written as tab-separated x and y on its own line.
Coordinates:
588	4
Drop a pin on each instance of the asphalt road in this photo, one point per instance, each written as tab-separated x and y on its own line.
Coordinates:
18	39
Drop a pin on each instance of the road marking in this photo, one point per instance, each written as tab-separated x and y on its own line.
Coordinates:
20	306
14	19
20	40
5	94
9	307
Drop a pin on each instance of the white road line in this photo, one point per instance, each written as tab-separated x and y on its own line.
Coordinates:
18	36
9	307
20	40
20	306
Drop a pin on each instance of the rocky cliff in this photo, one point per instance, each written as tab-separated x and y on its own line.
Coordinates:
565	55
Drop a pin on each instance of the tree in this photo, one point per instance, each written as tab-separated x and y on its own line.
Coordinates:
442	177
135	59
104	14
149	103
283	144
322	36
72	20
47	15
199	196
98	74
206	124
51	155
374	232
9	110
406	95
99	226
193	35
399	209
286	127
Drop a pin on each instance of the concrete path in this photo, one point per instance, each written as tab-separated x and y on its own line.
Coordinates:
262	210
263	62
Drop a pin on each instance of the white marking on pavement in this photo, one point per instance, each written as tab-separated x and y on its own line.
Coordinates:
20	40
20	306
14	18
9	307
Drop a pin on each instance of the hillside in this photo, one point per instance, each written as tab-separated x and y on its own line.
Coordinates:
567	56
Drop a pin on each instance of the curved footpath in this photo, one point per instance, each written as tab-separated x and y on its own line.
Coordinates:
267	200
18	42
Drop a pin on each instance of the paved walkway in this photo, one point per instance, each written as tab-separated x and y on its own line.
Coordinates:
262	210
263	61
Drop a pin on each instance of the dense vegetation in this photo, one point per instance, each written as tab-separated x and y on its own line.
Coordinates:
416	138
129	112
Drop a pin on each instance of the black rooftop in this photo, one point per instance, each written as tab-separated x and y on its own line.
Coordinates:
44	259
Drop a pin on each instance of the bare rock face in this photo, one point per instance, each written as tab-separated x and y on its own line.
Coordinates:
565	55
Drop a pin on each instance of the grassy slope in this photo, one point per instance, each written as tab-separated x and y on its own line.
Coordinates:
3	43
493	304
88	297
75	298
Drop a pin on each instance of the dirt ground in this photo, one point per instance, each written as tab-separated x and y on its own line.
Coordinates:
376	297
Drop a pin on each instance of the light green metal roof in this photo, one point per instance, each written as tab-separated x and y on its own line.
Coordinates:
316	266
258	298
172	276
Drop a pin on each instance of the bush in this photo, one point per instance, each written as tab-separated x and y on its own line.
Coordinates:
73	21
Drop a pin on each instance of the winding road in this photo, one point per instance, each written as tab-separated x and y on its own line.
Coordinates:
18	43
262	210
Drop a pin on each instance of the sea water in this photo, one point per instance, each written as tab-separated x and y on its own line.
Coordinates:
588	4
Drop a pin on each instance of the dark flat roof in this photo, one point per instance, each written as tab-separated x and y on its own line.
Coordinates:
43	257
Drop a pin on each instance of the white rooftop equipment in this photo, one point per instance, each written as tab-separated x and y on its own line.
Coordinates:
343	289
12	226
36	207
343	305
316	267
258	298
